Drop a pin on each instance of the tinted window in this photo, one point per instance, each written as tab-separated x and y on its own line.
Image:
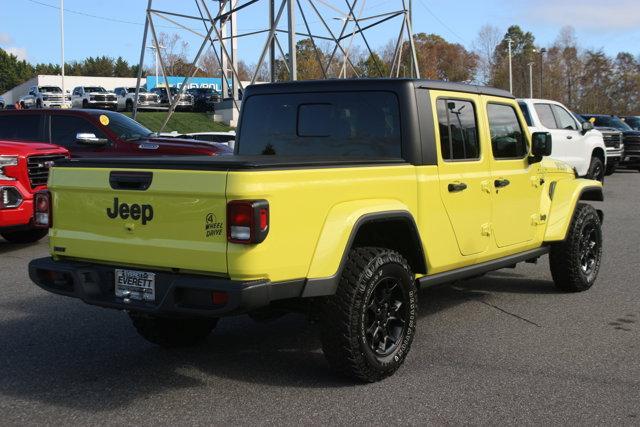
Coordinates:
525	112
458	130
65	128
564	119
507	137
126	128
353	124
21	126
634	122
545	114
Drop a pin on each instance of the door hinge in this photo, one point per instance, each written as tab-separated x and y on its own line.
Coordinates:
485	230
538	219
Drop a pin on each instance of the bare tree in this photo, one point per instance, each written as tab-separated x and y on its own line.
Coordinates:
484	46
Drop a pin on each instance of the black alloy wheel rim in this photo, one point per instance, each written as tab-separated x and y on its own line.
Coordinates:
589	249
386	317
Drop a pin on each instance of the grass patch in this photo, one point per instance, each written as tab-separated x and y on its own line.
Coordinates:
181	122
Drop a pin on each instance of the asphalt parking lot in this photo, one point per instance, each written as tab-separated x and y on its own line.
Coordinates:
505	348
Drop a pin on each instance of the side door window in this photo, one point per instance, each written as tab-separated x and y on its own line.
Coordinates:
464	173
546	116
64	129
515	196
564	120
507	136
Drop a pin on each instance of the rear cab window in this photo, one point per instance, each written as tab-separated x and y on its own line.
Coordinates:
23	127
358	124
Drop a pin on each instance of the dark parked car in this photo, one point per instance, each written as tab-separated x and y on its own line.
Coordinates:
632	121
631	138
204	98
97	133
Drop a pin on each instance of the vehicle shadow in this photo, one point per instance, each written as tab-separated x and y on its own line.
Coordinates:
62	353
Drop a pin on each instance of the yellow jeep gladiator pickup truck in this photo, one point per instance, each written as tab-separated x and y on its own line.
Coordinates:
343	197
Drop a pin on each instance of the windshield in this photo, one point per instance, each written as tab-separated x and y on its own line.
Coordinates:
133	90
611	122
94	89
49	89
125	127
634	122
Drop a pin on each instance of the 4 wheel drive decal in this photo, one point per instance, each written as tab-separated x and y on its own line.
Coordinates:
136	212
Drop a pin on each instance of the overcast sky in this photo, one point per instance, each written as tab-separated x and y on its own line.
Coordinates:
30	28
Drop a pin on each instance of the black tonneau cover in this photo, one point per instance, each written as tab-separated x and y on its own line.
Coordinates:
221	163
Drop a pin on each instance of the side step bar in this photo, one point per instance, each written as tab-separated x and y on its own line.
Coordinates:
479	269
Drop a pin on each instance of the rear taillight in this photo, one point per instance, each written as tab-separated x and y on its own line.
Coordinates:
42	210
247	221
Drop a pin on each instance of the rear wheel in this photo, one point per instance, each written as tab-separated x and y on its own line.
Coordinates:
25	236
575	262
172	332
85	104
368	325
596	170
129	106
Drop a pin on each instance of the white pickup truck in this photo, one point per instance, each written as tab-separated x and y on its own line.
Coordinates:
45	97
577	144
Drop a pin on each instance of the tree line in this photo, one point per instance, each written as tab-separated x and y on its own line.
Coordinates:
586	80
14	71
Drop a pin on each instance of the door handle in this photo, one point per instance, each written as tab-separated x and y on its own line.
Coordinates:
457	187
500	183
569	137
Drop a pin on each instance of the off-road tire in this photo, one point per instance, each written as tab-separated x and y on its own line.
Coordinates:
596	170
568	258
25	236
344	317
172	332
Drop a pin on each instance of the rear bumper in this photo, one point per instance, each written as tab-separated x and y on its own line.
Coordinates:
176	294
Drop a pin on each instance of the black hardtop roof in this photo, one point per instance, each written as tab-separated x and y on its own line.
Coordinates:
371	84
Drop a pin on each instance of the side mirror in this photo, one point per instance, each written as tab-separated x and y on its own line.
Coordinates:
587	126
541	144
90	139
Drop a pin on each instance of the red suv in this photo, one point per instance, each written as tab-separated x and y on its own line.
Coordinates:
97	133
24	170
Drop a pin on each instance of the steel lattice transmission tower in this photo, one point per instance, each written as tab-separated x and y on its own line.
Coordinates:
214	22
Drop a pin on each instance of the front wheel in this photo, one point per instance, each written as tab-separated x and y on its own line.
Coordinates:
596	170
368	326
575	262
172	332
25	236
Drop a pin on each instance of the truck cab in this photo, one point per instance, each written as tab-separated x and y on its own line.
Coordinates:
574	142
342	199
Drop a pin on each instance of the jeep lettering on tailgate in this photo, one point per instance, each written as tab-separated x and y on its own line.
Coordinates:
135	212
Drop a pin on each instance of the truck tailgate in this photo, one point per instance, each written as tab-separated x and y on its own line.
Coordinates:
151	218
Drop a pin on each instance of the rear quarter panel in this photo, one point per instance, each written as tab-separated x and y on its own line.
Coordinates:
312	213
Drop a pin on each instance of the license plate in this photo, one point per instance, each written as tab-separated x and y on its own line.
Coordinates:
135	285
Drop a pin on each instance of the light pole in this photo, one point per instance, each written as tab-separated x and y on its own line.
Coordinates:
64	92
155	49
542	52
509	41
530	79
